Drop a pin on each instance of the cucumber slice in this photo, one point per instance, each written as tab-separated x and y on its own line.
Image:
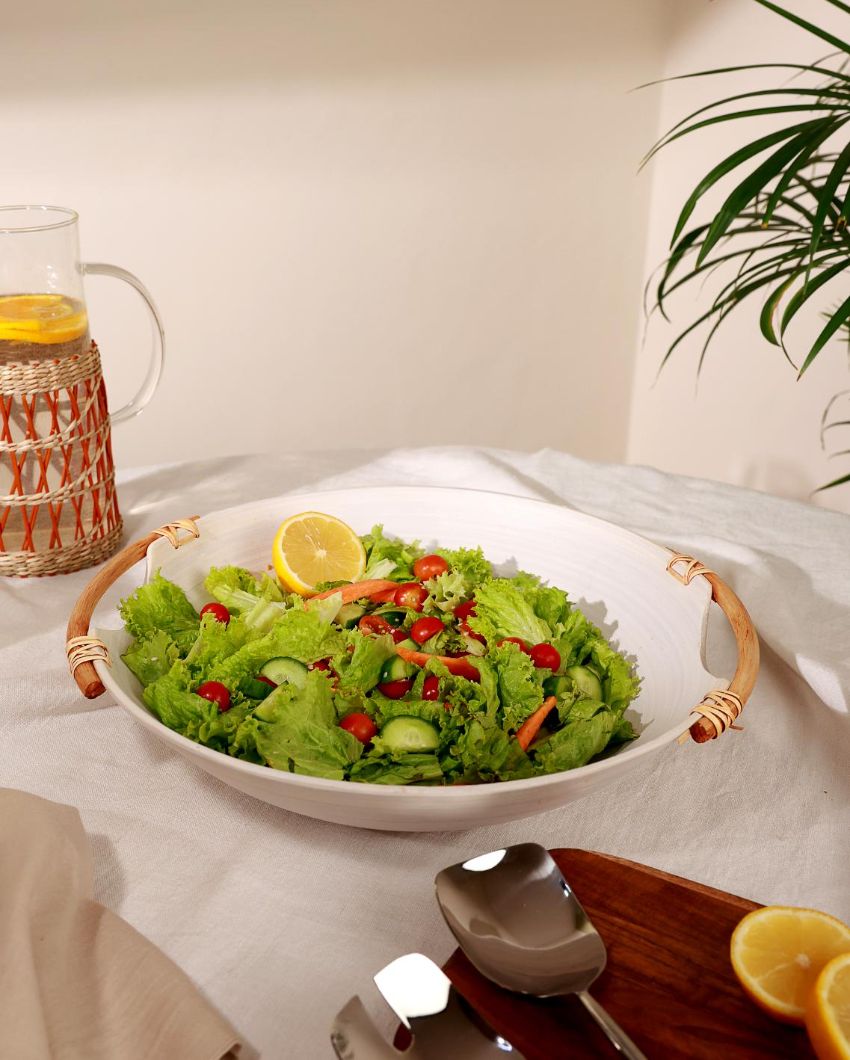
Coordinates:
586	682
265	711
409	734
283	670
350	614
558	686
393	615
396	669
411	645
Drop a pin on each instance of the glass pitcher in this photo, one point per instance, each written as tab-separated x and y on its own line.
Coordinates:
56	474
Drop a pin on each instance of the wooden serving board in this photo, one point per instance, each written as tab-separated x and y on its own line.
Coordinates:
669	981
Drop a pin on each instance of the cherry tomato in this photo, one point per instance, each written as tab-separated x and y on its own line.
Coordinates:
425	628
374	625
515	640
266	680
467	630
320	664
431	687
464	611
215	692
429	567
412	595
545	657
396	689
218	611
399	635
359	725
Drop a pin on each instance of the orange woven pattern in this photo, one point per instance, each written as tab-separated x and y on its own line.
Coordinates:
58	506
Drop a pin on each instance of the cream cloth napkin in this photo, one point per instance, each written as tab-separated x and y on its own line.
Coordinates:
76	981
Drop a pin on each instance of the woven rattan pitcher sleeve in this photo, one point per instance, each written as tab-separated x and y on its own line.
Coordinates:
58	506
82	650
720	707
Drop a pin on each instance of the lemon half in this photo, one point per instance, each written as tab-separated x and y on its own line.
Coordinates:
311	548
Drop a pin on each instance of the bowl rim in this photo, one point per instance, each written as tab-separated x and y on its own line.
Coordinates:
376	791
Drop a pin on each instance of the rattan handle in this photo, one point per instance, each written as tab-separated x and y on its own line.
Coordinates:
82	649
720	707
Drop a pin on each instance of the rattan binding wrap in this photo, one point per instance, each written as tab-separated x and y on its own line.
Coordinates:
72	504
720	707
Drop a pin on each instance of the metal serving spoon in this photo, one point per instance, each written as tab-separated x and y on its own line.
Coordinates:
442	1023
520	924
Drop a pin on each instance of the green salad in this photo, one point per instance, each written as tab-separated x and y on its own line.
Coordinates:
432	670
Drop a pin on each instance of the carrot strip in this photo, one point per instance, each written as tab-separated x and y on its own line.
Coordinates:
359	590
531	726
459	667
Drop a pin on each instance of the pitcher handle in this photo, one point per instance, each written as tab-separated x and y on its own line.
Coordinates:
135	405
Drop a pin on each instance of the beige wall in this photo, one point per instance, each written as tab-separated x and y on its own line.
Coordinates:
366	223
749	422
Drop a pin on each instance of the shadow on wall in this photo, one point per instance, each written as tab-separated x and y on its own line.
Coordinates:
173	44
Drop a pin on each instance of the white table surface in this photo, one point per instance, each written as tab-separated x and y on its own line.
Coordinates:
280	919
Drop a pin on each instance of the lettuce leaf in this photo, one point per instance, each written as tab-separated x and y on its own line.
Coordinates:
160	605
447	590
176	707
239	590
503	609
482	749
576	743
619	684
303	736
471	563
397	769
151	658
520	684
379	549
361	671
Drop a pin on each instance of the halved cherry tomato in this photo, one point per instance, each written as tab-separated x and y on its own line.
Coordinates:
515	640
429	567
374	625
359	725
465	610
412	595
216	693
425	628
320	664
399	635
218	611
467	630
266	680
396	689
431	687
545	657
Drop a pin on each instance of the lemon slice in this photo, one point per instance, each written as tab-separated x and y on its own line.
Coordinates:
778	952
42	318
311	548
828	1011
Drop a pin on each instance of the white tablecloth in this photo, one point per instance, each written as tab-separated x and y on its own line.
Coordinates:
278	918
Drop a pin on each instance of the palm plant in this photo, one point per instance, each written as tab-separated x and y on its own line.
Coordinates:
781	233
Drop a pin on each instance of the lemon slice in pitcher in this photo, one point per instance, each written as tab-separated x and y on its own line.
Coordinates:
42	318
311	548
